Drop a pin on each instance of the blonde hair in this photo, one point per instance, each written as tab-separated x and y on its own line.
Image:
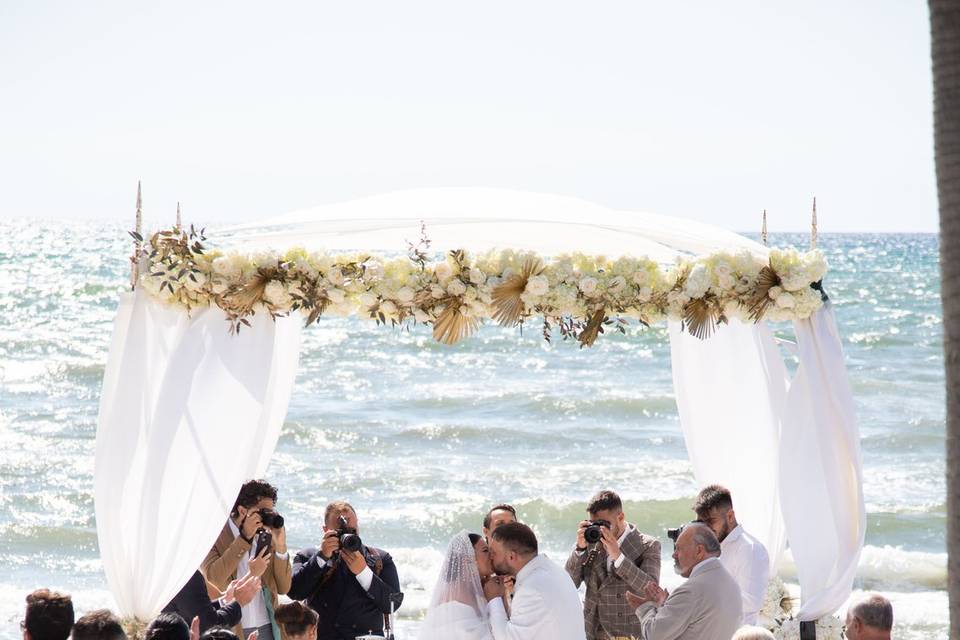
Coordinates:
752	633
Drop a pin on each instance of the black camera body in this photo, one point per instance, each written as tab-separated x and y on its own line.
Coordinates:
673	534
348	537
592	534
271	519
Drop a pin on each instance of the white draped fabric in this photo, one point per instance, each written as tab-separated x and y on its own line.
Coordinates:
821	477
731	390
782	446
187	413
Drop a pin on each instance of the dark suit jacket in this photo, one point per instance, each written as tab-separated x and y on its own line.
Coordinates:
193	600
346	609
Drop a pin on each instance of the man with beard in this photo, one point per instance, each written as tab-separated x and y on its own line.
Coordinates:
743	556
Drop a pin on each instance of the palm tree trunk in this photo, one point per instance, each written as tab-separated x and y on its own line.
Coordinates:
945	46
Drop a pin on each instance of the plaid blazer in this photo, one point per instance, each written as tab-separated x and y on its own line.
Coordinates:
606	613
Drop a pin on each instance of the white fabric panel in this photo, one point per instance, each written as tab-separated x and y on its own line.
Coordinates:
483	219
730	390
820	470
187	413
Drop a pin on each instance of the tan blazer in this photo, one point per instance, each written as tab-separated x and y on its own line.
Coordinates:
606	612
220	567
705	607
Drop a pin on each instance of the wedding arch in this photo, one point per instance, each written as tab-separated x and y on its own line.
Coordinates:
206	345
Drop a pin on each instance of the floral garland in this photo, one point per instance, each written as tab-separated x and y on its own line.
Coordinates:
776	616
578	295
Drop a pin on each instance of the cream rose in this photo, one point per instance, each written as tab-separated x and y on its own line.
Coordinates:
537	285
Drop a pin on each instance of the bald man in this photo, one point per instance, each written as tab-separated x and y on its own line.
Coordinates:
870	618
705	607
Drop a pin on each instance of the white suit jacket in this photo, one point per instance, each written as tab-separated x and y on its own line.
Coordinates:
546	606
705	607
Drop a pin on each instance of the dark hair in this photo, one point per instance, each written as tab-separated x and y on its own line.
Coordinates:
517	537
295	618
218	633
167	626
712	497
474	538
49	615
500	507
98	625
336	508
605	500
874	611
252	492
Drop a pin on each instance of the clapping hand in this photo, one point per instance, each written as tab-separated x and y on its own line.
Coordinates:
651	593
195	628
243	590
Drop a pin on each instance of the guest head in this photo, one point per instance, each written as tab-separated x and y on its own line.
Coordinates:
218	633
98	625
482	552
753	633
512	546
870	618
498	515
696	543
714	508
606	505
167	626
336	510
299	622
49	616
254	496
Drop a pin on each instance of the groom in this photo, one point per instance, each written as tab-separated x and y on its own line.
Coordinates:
545	606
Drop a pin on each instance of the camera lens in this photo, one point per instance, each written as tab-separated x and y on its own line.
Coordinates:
592	534
350	542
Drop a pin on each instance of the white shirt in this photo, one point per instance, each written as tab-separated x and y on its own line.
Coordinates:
365	577
255	611
745	558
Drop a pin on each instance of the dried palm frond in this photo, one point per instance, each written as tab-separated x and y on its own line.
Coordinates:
761	300
700	318
251	294
452	325
593	329
506	295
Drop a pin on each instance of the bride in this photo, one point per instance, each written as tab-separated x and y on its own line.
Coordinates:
458	609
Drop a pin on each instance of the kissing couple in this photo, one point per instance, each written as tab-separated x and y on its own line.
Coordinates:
468	600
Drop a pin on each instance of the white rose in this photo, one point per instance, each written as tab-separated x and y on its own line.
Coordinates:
228	267
727	281
276	294
335	276
367	299
775	292
388	307
374	269
477	276
722	269
196	282
443	271
405	294
698	281
336	296
588	285
456	288
537	285
617	283
641	278
785	301
644	294
436	291
421	316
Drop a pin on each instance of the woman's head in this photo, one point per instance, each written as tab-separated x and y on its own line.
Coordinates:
482	553
297	620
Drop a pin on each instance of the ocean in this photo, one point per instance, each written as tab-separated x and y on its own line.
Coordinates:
423	438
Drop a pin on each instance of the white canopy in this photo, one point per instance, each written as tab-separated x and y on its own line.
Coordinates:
788	449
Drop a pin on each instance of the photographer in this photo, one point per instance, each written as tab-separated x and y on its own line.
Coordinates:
349	584
253	540
611	557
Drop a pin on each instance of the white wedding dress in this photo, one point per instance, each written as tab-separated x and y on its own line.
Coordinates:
458	608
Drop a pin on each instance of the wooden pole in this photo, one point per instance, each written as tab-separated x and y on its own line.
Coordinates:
137	241
763	230
813	226
178	216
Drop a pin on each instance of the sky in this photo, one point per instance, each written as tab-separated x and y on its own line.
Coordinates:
707	110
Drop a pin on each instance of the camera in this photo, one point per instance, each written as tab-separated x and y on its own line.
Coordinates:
349	540
271	519
673	534
592	533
